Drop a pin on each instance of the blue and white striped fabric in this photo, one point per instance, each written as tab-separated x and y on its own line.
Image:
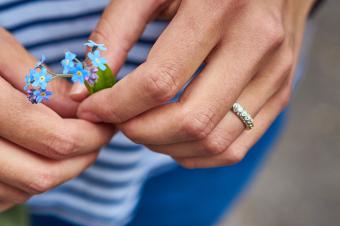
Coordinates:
106	193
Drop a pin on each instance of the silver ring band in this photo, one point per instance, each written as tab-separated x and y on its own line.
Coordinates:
243	115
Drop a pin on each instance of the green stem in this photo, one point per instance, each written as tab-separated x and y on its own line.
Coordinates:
63	75
78	61
55	75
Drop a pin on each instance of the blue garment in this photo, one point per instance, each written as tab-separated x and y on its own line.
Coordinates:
182	197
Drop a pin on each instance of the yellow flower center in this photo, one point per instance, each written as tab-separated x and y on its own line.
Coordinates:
43	94
97	61
42	78
79	73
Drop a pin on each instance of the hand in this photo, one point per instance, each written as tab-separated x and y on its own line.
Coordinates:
250	49
39	149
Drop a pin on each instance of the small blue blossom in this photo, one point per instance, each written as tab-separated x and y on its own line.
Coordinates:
41	78
40	62
92	44
41	95
79	73
97	60
67	62
29	78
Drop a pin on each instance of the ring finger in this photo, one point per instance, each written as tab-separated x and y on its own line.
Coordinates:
256	94
239	148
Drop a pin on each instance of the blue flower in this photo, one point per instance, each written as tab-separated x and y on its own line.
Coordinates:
79	73
40	62
29	78
41	95
92	44
97	60
41	78
68	63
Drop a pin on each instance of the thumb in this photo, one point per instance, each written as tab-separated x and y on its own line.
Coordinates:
120	26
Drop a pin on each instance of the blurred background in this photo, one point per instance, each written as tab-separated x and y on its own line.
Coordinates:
300	183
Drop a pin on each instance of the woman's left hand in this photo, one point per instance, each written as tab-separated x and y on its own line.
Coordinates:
250	49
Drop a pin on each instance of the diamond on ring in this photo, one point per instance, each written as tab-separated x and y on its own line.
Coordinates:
243	115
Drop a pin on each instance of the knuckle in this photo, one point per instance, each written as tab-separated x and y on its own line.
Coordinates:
198	125
61	145
274	31
216	144
43	180
161	83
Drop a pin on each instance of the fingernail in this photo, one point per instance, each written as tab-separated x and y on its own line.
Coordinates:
89	117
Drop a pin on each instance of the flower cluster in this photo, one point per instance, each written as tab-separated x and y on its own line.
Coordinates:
78	71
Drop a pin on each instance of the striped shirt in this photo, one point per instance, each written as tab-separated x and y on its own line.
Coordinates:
106	193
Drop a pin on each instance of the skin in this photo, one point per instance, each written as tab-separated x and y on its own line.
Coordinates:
40	146
250	49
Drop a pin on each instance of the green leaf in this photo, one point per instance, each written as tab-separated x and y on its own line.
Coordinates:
106	79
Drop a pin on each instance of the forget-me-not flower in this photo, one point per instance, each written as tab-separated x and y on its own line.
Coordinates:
41	78
97	60
41	95
79	73
29	78
92	44
67	62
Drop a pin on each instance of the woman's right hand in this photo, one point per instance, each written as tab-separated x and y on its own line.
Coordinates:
40	146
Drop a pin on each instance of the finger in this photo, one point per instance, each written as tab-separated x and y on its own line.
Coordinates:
121	25
9	194
35	174
38	128
16	63
240	147
210	96
265	84
119	33
174	58
79	92
170	10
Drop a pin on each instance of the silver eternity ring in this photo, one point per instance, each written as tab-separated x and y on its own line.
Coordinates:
243	115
